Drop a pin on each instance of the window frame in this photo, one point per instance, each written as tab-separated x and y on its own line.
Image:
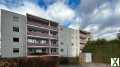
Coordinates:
15	29
16	50
16	39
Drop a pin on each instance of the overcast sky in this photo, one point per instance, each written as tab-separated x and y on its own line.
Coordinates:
100	17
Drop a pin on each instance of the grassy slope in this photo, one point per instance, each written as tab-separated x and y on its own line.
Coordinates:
103	50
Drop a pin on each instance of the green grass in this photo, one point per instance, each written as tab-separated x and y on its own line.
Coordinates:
103	50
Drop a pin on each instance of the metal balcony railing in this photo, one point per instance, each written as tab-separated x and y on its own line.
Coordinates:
54	28
39	25
38	34
54	36
54	53
54	45
36	44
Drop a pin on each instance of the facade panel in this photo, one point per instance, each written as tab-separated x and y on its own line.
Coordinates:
68	42
8	21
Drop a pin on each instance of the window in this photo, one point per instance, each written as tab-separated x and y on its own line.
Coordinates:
15	18
53	50
15	39
16	29
72	44
62	43
30	40
43	41
61	50
15	50
61	29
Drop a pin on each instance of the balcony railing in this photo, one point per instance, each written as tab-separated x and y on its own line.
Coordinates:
54	53
54	28
38	34
54	36
37	54
42	34
39	25
82	46
54	45
83	41
83	36
36	44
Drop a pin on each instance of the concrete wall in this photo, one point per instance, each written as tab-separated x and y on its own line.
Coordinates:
7	34
70	39
0	32
88	57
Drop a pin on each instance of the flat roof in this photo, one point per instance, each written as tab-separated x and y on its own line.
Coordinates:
39	18
85	32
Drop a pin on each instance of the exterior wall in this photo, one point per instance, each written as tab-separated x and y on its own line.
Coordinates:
7	34
70	40
0	33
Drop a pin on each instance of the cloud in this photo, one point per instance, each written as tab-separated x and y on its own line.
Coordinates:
108	33
60	12
57	11
103	20
107	36
27	7
92	27
12	3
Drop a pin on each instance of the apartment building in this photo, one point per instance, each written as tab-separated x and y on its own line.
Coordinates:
69	43
28	35
42	36
84	38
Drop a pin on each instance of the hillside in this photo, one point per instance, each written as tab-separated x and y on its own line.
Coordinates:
103	50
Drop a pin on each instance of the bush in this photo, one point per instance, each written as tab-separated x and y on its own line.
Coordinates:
48	61
69	60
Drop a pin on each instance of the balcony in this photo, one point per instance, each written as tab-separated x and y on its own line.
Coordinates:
37	45
82	46
83	41
83	36
38	25
54	28
54	53
54	45
54	36
38	34
36	54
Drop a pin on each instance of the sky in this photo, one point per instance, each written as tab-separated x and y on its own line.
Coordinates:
100	17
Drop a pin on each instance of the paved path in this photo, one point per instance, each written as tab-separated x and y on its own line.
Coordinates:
87	65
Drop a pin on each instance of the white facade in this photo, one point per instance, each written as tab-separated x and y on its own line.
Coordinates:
12	34
69	43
